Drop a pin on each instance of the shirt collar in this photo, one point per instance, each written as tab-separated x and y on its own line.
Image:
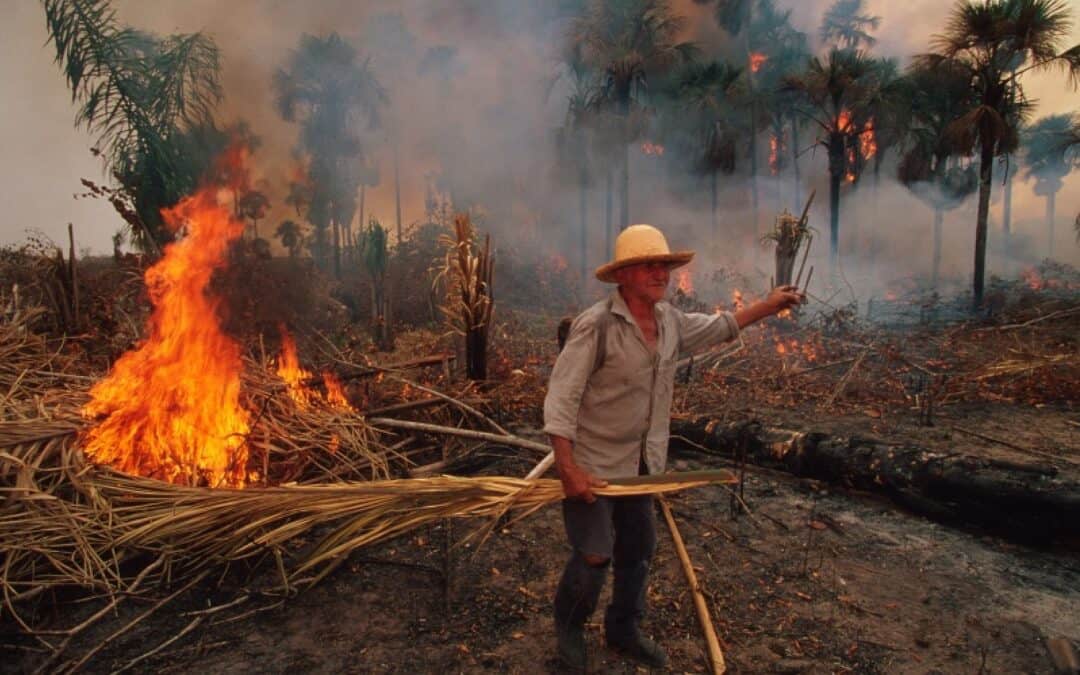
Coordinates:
618	307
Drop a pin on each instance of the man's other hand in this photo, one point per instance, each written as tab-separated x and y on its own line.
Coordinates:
784	297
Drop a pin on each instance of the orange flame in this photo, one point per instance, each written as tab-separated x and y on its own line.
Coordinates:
1033	279
650	148
867	140
774	154
757	59
843	122
290	371
335	391
684	282
170	409
737	300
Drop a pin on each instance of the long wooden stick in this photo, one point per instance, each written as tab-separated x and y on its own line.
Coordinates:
541	466
464	433
715	655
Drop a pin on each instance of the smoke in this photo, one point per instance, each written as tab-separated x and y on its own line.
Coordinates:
473	114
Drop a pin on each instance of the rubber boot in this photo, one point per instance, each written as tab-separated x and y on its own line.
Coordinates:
623	617
575	601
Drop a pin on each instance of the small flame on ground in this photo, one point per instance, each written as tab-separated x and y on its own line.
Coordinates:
757	60
335	391
737	300
1033	279
170	409
289	370
683	281
774	154
650	148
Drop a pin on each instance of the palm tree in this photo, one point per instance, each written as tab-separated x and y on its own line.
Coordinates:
844	25
629	43
253	205
838	93
329	91
786	53
291	236
1046	164
769	43
702	120
932	165
987	39
144	97
573	140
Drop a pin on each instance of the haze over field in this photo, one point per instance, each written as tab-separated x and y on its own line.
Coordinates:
476	120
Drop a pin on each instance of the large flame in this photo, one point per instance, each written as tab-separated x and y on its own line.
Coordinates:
170	409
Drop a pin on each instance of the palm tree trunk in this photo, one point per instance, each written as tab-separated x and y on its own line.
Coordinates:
583	212
713	189
624	189
1006	208
753	178
609	188
337	247
986	174
834	223
797	201
360	221
397	190
935	270
753	126
1051	200
836	174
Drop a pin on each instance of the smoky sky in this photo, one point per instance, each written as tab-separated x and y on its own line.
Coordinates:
473	111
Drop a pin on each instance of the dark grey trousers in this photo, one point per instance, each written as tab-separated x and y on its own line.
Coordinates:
623	531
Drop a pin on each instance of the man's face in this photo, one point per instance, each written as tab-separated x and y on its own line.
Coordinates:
645	281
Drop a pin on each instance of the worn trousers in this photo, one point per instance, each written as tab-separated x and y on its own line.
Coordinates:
621	530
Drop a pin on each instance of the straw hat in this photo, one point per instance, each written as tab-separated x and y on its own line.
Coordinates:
641	244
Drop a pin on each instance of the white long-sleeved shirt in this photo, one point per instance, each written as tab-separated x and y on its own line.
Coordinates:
622	411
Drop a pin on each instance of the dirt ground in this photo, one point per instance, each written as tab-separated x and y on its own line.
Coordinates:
813	580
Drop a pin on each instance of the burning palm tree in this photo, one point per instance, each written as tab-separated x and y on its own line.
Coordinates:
838	93
630	43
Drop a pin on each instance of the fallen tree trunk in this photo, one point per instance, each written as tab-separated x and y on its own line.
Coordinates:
1028	503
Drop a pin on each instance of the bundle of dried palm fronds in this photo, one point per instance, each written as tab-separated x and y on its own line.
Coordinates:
68	523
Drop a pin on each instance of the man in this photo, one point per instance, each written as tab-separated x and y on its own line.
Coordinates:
607	413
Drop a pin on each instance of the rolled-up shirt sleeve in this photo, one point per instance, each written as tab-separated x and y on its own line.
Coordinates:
569	379
697	331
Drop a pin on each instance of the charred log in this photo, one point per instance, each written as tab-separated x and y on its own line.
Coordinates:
1026	503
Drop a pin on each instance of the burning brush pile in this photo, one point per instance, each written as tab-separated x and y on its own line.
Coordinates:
190	457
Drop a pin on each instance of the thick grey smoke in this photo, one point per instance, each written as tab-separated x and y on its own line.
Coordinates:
474	114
